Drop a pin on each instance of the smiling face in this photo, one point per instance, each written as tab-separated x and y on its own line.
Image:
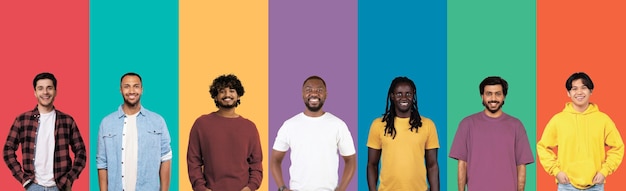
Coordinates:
131	89
45	92
493	99
314	94
579	94
402	98
227	98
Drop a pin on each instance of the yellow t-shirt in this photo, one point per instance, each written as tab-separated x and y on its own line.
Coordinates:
402	158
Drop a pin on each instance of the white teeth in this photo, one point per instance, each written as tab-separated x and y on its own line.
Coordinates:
314	99
404	104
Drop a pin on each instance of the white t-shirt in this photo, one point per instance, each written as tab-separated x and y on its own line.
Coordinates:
44	150
314	142
129	152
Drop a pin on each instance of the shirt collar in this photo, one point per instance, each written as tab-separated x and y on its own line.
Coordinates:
120	113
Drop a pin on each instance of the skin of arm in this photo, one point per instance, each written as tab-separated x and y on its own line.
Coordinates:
432	169
521	177
348	172
102	179
276	168
373	158
462	175
164	174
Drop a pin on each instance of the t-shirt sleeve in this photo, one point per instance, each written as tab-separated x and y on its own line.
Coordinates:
459	144
433	141
523	154
281	143
373	140
345	142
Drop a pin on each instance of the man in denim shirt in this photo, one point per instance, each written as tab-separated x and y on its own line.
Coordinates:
134	150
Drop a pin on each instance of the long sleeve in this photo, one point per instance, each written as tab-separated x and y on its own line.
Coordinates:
80	153
194	160
256	162
9	152
547	157
615	154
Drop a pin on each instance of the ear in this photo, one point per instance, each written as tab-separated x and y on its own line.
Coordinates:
568	94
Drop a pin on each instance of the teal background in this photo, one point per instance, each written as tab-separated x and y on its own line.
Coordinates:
491	38
134	36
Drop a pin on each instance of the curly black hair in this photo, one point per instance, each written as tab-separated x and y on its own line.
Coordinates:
226	81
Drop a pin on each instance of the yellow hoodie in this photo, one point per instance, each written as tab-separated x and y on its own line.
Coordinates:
580	139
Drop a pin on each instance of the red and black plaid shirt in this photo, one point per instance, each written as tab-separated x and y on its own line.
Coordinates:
66	135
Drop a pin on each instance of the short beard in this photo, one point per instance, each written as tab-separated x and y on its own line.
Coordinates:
314	109
220	105
493	111
128	103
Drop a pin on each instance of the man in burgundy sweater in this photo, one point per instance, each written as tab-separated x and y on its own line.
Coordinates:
224	150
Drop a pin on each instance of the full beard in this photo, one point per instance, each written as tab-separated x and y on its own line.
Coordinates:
493	110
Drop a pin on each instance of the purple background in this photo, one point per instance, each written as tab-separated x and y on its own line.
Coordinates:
312	38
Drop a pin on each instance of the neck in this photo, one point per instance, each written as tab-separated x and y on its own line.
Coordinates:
580	108
44	109
493	115
403	114
310	113
129	110
227	112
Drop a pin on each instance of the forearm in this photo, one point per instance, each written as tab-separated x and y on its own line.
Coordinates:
462	177
103	179
372	176
164	174
277	172
433	177
548	158
521	177
348	172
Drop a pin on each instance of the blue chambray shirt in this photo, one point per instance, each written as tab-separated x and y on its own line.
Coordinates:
153	144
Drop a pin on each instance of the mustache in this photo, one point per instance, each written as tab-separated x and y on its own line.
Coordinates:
493	101
227	98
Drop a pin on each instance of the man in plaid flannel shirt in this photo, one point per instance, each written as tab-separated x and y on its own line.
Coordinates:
46	136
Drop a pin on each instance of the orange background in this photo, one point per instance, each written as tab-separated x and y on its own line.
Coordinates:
580	36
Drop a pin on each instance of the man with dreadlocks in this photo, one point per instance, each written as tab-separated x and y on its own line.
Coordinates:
224	150
491	146
405	141
314	137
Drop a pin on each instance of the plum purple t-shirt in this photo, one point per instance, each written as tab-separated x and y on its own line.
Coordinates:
492	148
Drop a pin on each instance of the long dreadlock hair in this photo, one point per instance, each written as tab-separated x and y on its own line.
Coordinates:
390	109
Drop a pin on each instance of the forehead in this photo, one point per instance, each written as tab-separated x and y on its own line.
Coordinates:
403	87
130	79
44	82
493	88
314	83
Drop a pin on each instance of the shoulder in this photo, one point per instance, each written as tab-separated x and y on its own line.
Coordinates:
63	116
246	122
333	118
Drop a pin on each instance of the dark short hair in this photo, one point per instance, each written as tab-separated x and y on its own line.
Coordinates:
130	74
314	78
45	75
494	80
579	75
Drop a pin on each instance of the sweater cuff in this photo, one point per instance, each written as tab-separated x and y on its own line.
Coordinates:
252	186
200	188
604	172
555	171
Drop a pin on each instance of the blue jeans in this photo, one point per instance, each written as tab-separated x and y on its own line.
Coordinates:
569	187
37	187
